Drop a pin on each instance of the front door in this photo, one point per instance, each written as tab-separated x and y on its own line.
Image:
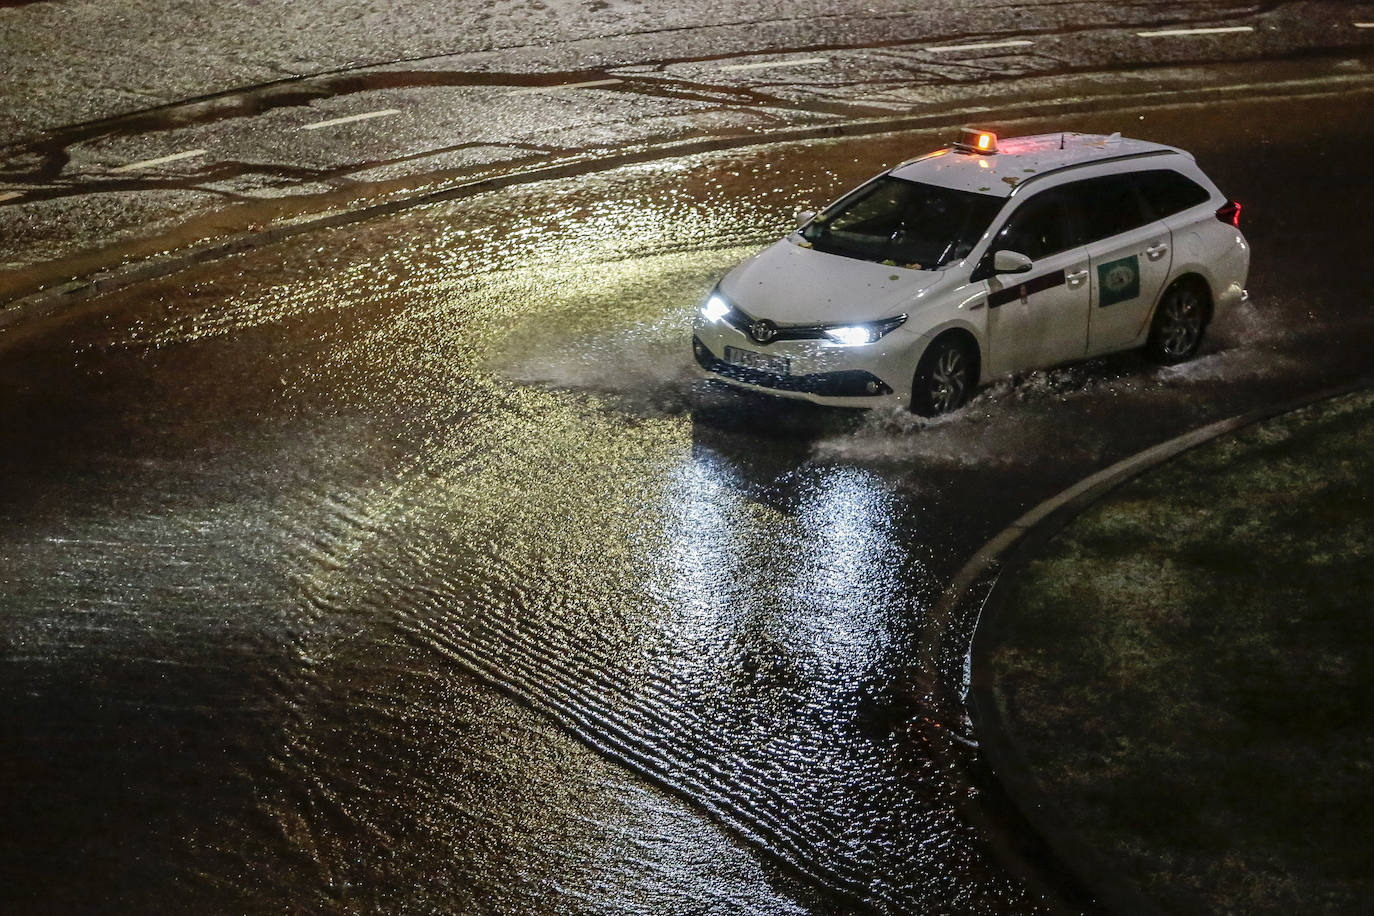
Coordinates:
1040	317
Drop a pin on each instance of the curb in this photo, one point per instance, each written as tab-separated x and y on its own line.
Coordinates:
45	301
1001	771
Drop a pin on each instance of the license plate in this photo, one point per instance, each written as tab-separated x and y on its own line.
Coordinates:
777	365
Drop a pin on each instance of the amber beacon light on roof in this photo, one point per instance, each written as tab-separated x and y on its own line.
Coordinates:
973	140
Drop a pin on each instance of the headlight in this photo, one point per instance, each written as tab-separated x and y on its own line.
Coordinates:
715	308
856	335
853	335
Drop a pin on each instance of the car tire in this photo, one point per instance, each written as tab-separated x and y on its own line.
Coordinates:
945	377
1180	320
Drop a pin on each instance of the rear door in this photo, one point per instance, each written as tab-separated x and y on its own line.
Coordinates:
1040	317
1129	254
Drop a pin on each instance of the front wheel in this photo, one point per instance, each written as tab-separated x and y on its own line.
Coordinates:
1179	321
945	377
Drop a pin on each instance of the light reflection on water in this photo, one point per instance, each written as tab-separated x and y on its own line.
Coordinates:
536	514
853	571
569	543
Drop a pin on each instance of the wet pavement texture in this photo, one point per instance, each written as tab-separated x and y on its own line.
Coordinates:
408	567
122	56
249	103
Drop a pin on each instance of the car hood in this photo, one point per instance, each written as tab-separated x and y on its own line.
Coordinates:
791	284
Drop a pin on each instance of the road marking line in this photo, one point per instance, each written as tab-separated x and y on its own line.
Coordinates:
982	46
1218	30
775	63
143	164
1363	25
590	84
351	118
10	195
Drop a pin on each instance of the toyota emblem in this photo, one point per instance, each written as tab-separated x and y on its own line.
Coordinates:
763	330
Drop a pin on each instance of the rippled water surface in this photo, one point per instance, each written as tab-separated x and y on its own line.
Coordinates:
409	567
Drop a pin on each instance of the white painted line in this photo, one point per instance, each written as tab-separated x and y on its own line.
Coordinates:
1363	25
351	118
590	84
982	46
775	63
10	195
188	154
1218	30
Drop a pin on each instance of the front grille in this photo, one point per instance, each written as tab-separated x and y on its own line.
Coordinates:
848	383
741	322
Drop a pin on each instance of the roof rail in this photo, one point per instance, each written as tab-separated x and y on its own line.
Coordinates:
1143	154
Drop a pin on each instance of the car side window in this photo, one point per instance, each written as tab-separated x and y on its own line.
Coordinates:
1039	227
1110	205
1167	192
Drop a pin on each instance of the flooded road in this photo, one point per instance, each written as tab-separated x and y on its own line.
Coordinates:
409	567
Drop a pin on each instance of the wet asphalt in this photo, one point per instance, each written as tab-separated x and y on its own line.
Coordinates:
120	119
407	566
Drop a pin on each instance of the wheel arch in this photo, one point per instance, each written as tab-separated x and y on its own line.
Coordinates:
1155	344
929	401
1198	281
960	332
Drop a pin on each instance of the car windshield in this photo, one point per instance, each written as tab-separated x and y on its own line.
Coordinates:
906	223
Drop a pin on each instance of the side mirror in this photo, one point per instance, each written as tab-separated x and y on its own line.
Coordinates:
1010	262
804	216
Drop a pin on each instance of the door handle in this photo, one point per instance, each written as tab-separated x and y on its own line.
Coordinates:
1076	278
1155	252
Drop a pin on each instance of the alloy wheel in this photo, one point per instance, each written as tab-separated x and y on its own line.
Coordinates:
1181	327
949	380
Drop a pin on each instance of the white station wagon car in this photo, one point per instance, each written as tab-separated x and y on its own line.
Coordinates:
980	260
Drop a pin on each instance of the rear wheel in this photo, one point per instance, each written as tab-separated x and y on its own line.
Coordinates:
945	377
1179	321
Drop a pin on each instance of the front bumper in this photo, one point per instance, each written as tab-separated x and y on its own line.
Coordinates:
845	387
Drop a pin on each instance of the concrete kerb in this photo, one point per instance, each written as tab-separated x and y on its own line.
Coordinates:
1001	559
44	301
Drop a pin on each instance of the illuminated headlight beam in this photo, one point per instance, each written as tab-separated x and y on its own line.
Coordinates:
856	335
852	336
715	308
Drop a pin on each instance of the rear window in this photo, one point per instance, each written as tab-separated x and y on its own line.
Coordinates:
1167	192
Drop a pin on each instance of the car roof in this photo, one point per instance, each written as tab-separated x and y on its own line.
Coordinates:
1019	159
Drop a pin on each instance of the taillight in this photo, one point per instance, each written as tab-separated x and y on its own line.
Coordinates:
1230	213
